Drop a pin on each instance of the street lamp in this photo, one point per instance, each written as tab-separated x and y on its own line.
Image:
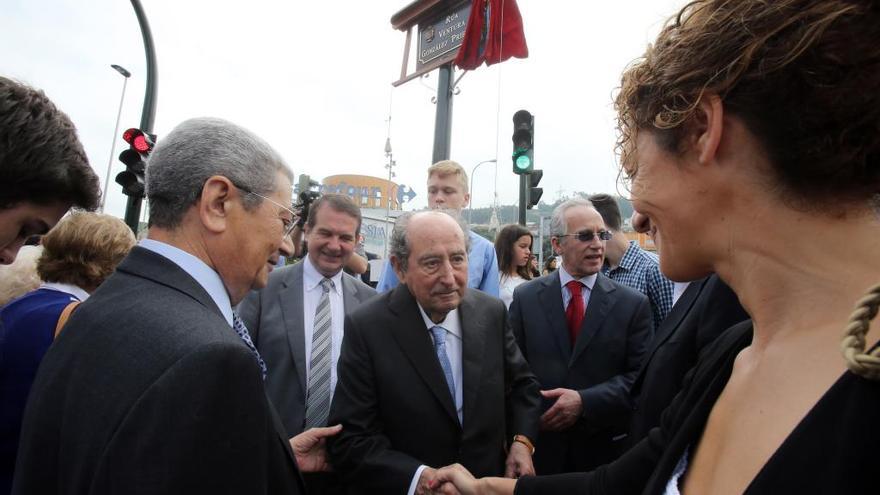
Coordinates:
125	74
471	189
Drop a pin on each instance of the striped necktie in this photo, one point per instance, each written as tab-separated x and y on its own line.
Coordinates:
245	336
318	402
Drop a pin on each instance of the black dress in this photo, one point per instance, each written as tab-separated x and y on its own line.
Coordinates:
832	450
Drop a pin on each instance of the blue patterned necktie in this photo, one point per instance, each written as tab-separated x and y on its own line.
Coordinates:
242	332
318	401
440	348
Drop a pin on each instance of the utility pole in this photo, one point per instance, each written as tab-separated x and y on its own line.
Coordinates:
443	117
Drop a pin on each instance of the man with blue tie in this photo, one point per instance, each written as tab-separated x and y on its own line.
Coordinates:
430	373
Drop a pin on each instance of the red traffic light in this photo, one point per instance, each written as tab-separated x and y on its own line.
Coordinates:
138	140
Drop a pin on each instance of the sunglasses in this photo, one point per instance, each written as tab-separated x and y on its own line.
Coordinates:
588	235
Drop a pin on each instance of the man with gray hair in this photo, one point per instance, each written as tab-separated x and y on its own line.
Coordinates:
583	335
430	373
155	385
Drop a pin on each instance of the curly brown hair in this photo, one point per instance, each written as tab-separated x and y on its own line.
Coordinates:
803	75
84	249
41	157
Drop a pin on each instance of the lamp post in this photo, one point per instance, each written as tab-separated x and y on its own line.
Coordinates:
125	75
471	188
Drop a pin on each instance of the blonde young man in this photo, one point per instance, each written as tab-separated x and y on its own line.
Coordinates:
448	190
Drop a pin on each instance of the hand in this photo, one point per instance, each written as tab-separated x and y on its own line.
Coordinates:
454	480
426	480
519	461
564	412
310	450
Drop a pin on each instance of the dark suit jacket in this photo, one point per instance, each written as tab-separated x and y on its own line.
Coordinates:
149	391
824	454
602	365
395	406
707	308
274	318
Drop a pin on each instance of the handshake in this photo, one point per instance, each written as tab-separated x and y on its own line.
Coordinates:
456	480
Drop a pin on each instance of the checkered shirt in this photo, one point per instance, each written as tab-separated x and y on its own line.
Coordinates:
640	270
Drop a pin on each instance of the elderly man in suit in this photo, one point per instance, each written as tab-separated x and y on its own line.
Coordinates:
584	336
155	385
430	373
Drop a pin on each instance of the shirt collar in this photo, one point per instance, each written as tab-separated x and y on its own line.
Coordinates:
565	277
71	289
451	323
312	277
197	269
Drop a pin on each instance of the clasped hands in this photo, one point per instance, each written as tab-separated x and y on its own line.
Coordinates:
456	480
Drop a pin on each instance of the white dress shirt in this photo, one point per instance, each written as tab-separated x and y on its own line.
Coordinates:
452	324
678	289
312	292
74	290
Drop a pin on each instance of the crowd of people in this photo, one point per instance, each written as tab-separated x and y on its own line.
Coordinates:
739	358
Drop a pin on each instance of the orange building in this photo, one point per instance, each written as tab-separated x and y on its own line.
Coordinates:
365	190
644	240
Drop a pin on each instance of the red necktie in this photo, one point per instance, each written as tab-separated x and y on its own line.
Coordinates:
574	313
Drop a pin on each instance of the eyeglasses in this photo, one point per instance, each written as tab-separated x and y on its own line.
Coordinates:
288	223
587	235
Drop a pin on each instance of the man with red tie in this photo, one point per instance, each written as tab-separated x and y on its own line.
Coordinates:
584	336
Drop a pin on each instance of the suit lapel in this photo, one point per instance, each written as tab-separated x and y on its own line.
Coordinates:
602	297
290	297
550	297
473	330
349	293
670	324
412	337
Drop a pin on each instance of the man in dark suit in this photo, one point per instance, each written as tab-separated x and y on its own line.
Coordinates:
155	386
284	332
706	308
430	373
584	336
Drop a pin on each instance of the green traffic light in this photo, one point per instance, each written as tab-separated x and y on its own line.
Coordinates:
523	162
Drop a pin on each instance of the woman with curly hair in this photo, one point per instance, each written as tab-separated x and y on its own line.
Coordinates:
78	255
750	139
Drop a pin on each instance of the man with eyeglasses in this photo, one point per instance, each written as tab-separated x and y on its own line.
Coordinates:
583	336
155	386
297	321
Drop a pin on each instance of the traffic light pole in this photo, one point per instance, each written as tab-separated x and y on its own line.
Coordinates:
148	115
523	197
443	118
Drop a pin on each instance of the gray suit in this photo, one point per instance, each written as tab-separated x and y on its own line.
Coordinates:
274	317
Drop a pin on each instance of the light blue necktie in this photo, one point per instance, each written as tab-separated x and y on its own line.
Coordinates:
243	333
440	347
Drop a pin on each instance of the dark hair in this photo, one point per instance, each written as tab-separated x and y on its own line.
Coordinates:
801	74
607	206
550	260
504	242
41	158
338	202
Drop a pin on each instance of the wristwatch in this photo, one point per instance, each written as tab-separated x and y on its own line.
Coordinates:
525	441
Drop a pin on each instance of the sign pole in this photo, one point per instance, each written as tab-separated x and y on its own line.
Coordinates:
443	117
523	197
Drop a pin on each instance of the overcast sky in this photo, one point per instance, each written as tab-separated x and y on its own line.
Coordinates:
314	80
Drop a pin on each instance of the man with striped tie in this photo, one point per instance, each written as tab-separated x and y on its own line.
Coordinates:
296	322
430	373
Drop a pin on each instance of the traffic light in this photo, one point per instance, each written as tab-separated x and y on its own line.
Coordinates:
535	192
132	178
523	142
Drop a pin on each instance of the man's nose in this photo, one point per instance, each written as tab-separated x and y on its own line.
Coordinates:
286	248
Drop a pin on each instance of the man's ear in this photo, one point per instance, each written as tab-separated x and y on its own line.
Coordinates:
554	243
214	204
708	127
395	263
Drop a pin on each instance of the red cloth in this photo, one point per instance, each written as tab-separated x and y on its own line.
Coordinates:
505	37
574	313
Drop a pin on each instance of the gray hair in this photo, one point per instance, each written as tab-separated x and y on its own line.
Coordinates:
198	149
557	221
399	245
